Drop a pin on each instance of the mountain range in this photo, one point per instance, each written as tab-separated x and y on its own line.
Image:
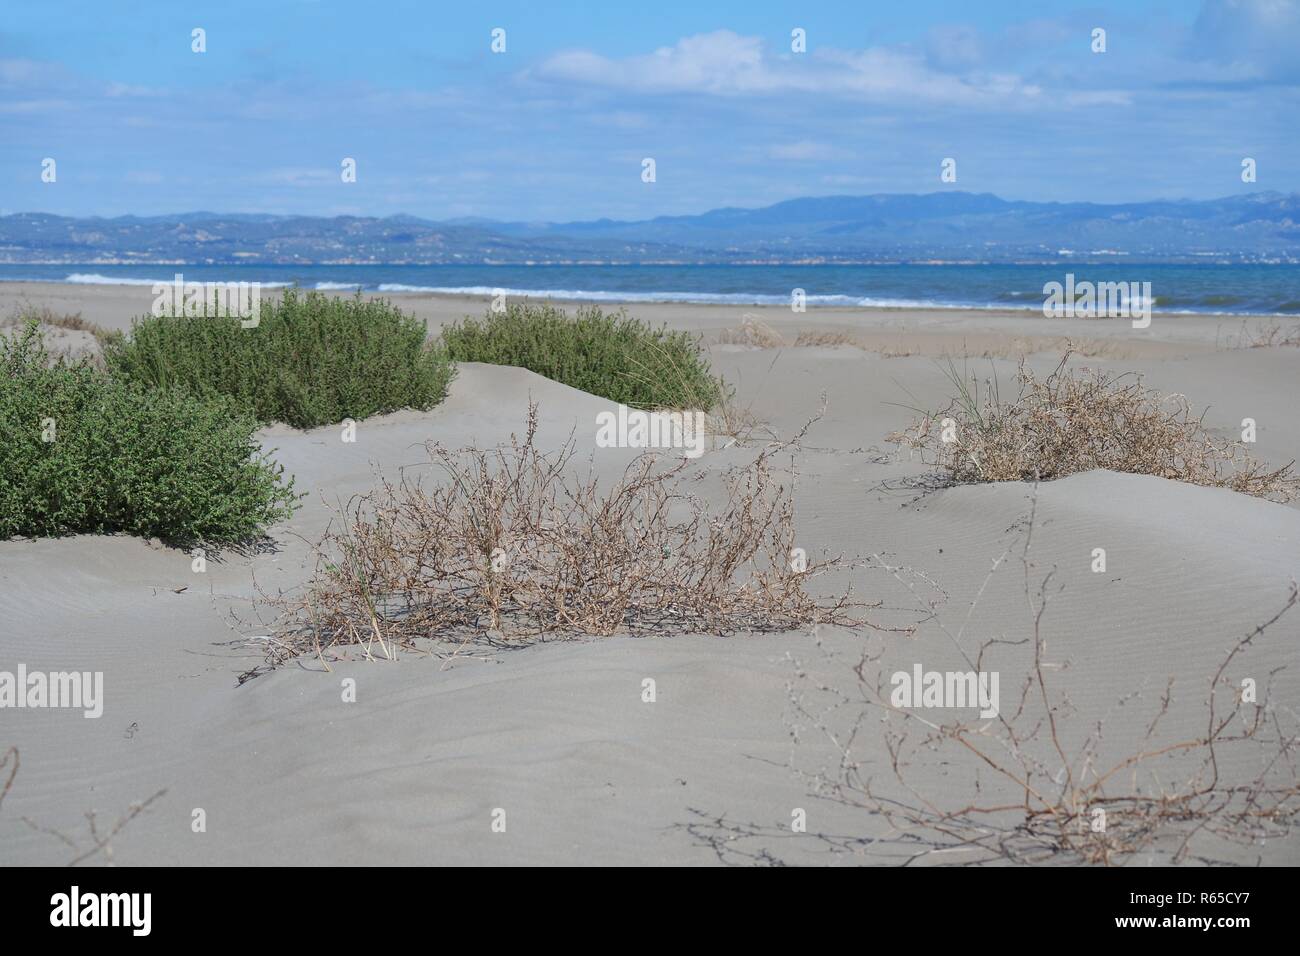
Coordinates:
948	226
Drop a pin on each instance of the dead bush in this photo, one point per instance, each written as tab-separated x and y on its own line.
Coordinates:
517	543
753	332
71	321
1031	786
812	338
756	333
1076	420
1265	335
60	331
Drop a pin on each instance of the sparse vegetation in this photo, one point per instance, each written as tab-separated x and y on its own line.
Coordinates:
1032	785
610	355
753	332
1265	335
71	322
517	544
756	333
1076	420
311	360
63	333
83	452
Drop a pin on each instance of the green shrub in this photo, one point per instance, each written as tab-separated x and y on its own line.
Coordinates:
613	356
311	360
157	463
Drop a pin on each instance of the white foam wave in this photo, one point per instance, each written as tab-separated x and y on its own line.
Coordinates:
698	298
94	278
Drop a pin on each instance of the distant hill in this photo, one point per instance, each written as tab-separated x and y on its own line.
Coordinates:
887	227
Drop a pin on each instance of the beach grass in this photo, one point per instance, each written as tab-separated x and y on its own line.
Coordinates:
609	354
87	453
311	359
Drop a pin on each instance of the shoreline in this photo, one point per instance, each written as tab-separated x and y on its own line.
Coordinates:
570	290
890	331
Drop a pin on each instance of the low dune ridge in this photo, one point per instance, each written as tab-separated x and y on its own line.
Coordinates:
558	734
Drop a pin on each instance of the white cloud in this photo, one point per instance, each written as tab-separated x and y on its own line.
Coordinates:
803	150
954	47
1257	37
719	62
728	64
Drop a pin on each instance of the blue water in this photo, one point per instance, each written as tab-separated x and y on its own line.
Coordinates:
1208	287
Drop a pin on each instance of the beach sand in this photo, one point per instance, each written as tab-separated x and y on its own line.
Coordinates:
557	734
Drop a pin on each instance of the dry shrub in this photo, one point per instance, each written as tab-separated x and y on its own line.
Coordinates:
101	841
56	326
994	346
812	338
72	322
1020	346
516	543
1265	335
737	423
1026	787
10	757
892	350
753	332
758	334
1079	419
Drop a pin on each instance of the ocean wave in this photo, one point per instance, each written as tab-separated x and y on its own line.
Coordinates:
589	295
94	278
693	298
1176	301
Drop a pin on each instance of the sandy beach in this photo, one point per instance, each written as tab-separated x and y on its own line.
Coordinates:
557	734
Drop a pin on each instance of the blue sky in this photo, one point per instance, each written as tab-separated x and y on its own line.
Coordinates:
557	126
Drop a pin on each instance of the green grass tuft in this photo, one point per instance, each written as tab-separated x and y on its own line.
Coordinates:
311	360
610	355
84	453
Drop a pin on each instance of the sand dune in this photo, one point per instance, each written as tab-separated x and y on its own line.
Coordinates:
557	734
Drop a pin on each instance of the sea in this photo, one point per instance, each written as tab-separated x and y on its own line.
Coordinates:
1213	287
